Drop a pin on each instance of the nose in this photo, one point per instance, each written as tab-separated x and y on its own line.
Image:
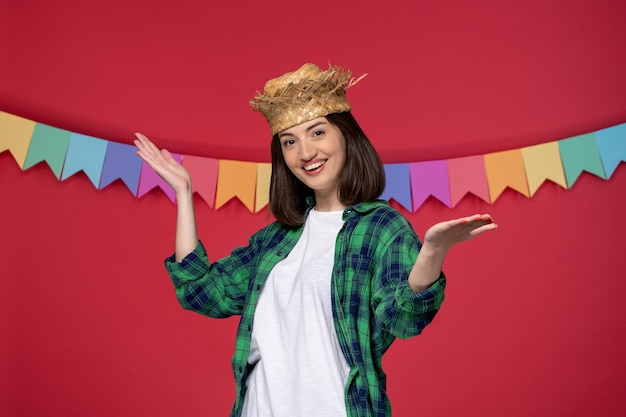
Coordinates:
307	151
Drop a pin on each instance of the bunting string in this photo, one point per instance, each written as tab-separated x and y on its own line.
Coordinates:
409	184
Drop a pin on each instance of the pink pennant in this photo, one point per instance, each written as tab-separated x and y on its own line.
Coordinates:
203	173
429	178
467	175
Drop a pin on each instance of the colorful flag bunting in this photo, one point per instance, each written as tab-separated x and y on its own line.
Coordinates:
409	184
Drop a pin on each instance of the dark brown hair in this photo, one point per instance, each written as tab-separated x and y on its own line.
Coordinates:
362	178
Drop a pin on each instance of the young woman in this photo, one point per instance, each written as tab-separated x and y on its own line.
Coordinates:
325	289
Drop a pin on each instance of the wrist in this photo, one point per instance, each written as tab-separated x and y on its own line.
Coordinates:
184	196
184	192
427	267
430	250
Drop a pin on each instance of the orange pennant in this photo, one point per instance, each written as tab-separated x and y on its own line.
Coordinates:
236	179
506	169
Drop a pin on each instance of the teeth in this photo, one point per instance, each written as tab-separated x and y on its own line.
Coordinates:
313	166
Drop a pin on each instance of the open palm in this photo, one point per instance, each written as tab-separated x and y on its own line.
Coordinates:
448	233
163	163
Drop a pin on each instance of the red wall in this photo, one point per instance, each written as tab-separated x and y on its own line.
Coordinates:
535	312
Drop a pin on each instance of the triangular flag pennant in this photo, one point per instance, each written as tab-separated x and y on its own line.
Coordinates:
578	154
15	135
430	178
398	184
149	179
543	162
506	169
203	173
121	162
467	175
87	154
236	179
263	177
48	144
612	147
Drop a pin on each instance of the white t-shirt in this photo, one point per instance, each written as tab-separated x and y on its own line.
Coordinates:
299	369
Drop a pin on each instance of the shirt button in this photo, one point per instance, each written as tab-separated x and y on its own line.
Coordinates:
258	287
280	253
249	327
240	369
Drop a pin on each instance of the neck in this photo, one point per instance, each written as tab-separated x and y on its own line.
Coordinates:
328	202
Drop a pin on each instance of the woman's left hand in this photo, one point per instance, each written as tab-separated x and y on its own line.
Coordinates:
442	236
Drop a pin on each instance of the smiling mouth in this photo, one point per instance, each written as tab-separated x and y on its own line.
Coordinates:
314	166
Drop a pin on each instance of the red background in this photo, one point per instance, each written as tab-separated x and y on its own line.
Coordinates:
534	317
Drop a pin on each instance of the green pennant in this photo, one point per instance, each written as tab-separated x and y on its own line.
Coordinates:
48	144
578	154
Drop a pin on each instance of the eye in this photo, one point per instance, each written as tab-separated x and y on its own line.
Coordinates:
318	133
288	142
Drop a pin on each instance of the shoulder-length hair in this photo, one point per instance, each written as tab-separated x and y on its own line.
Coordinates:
362	178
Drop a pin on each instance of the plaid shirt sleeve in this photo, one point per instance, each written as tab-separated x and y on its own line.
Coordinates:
217	289
398	310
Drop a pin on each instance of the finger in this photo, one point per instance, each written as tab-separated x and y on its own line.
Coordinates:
141	149
149	148
148	152
167	155
470	219
144	151
139	141
486	218
156	158
139	136
142	140
483	229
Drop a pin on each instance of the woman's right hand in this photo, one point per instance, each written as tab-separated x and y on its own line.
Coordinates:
179	179
164	164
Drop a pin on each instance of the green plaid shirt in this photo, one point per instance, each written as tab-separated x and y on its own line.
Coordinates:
372	301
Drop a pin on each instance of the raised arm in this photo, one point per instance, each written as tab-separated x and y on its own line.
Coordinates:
438	241
179	179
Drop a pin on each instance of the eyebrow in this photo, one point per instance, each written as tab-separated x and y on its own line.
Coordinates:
313	126
308	129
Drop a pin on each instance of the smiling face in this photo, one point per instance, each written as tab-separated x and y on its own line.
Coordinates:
315	153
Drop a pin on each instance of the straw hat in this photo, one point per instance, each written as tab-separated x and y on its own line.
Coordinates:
299	96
